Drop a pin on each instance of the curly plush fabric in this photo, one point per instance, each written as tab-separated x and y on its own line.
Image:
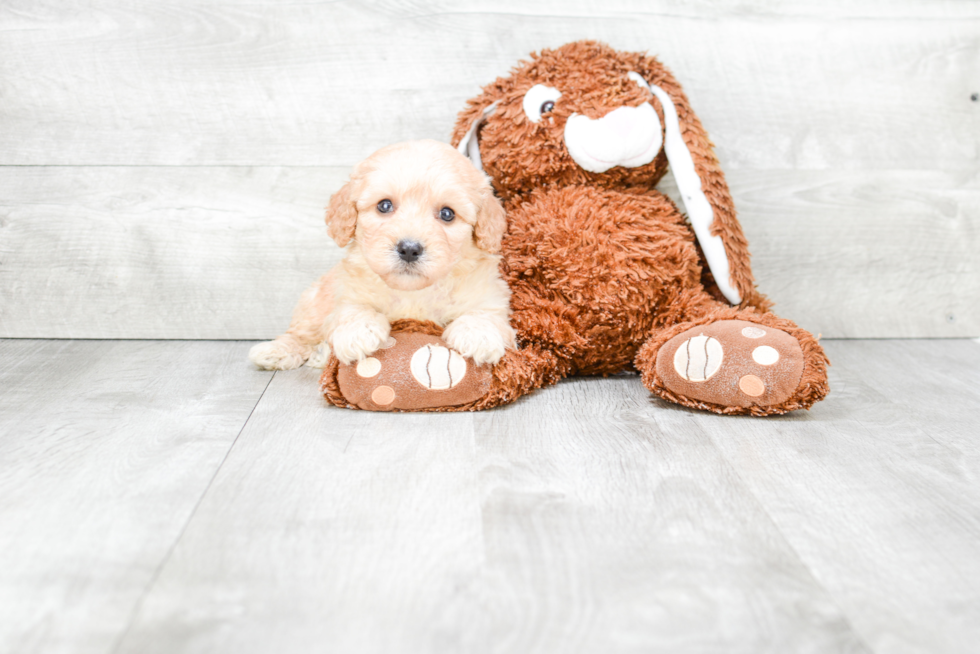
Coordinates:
604	270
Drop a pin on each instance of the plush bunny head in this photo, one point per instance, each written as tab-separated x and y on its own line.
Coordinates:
581	113
587	114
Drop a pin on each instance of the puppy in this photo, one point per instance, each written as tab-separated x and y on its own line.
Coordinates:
422	230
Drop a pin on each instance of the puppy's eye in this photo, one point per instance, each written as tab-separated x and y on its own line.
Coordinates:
385	206
446	214
539	99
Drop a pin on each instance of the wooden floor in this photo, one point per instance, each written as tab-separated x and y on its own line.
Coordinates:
164	497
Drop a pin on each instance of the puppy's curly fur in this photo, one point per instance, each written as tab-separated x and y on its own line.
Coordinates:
407	258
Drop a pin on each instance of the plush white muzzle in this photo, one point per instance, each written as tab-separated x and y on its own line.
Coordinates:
627	136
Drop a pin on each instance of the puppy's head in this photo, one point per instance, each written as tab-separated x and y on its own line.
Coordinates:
415	210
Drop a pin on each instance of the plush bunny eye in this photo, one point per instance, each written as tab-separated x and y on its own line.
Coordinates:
539	99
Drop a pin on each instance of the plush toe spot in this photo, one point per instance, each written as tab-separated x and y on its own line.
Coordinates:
383	395
369	367
765	355
753	332
752	385
437	368
390	343
698	358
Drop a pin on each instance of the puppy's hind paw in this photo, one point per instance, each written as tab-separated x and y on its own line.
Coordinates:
320	356
275	355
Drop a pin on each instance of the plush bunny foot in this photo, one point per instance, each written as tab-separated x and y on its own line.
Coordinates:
737	366
412	371
417	371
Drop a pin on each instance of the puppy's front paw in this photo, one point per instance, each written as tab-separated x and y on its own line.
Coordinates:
276	355
320	356
358	340
476	339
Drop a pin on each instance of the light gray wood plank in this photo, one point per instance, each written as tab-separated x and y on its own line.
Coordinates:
584	518
332	530
574	521
105	450
885	254
876	489
143	252
861	85
224	252
935	381
611	526
825	157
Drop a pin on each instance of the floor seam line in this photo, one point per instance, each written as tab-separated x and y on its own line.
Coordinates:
779	530
180	535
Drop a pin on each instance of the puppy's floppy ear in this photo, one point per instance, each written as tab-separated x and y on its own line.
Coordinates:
491	221
342	214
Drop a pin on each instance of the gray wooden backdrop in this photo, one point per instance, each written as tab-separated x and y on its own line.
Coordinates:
163	166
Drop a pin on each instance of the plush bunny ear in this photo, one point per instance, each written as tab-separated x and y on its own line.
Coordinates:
687	138
469	145
698	208
342	214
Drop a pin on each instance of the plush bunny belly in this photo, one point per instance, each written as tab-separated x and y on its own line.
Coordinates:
592	271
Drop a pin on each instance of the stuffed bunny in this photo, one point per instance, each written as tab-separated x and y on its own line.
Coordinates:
606	274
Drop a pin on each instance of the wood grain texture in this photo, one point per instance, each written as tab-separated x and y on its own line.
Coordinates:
105	450
844	131
571	522
899	372
878	491
611	526
585	518
144	252
224	252
329	530
884	254
857	85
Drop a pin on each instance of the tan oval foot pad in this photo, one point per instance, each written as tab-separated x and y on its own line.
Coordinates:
416	371
732	363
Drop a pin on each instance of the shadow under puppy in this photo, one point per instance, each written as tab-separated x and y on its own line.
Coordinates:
422	230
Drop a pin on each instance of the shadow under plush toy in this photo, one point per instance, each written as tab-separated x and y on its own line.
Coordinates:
605	272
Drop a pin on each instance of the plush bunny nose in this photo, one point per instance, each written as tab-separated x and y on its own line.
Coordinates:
626	136
409	251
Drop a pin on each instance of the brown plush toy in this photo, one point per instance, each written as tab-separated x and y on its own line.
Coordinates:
605	273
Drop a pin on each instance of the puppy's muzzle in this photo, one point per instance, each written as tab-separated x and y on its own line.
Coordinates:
409	251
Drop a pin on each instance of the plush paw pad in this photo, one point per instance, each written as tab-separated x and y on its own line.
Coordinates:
412	371
437	368
698	358
732	363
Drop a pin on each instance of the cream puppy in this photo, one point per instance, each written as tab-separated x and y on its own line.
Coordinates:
422	230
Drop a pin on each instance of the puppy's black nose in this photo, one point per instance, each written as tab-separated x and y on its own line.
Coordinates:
409	251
